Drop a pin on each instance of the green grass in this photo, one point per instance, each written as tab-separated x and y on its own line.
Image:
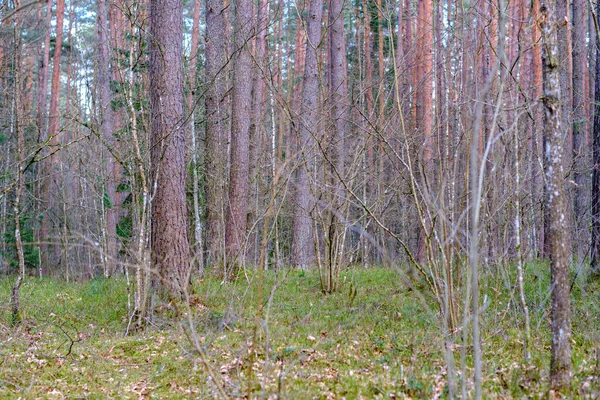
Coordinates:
374	338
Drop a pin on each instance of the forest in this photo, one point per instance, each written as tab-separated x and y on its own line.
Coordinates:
321	199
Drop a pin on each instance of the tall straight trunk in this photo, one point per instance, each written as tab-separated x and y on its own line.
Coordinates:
595	256
235	230
170	246
303	251
41	117
537	177
43	73
424	105
216	146
566	88
191	81
338	94
106	130
49	183
556	199
256	138
19	184
579	120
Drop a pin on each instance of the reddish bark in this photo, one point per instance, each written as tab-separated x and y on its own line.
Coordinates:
424	103
235	229
170	246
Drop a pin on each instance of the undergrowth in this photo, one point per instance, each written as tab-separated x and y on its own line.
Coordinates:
374	338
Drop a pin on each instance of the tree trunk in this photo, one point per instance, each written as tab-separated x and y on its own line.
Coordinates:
43	74
19	186
338	95
235	232
595	256
424	107
170	250
558	240
302	229
106	131
49	180
191	109
216	146
256	136
579	121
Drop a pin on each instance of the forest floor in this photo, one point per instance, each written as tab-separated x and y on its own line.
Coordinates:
373	338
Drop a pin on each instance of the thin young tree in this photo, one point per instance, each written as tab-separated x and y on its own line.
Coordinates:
169	222
192	72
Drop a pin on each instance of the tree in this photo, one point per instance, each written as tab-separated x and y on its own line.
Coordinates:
50	182
595	256
191	109
106	130
235	230
170	246
256	131
302	231
338	94
558	241
424	106
216	145
579	57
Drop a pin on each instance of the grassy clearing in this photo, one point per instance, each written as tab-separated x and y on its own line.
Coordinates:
382	342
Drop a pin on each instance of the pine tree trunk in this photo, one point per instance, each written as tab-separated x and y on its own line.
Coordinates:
302	230
216	146
256	136
595	256
49	180
170	247
106	131
235	230
424	108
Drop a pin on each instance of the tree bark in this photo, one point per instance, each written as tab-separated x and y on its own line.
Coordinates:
216	146
558	240
579	57
235	230
170	247
106	131
49	181
424	106
43	72
191	109
256	136
302	230
595	256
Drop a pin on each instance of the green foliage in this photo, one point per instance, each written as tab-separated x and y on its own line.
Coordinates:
371	339
30	251
125	227
106	199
